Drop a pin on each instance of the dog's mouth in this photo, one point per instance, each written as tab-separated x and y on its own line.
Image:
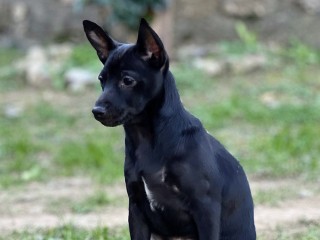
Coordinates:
111	118
112	122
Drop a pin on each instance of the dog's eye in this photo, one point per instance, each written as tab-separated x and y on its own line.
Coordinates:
127	82
101	81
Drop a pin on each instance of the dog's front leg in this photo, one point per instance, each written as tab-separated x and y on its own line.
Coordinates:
139	230
206	214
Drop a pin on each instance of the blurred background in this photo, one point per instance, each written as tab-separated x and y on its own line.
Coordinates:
249	69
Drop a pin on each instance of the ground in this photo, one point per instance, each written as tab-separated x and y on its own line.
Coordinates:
43	205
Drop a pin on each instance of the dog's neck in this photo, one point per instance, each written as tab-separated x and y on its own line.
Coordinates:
164	115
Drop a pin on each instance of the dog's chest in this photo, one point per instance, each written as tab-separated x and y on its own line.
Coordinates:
159	191
155	177
151	197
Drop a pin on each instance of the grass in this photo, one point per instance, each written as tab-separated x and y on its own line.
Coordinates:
280	136
70	232
304	231
99	199
93	203
98	153
285	138
273	197
269	119
9	76
29	152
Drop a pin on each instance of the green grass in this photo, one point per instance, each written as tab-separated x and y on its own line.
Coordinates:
305	231
283	138
312	232
9	76
18	152
190	80
273	197
83	55
97	153
9	56
279	137
96	202
60	138
292	150
45	141
99	199
302	231
70	232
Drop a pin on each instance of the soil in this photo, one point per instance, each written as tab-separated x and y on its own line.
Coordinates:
32	206
41	205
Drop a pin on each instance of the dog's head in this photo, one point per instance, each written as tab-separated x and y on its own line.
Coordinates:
132	74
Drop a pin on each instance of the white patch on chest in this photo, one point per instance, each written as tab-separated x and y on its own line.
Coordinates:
153	203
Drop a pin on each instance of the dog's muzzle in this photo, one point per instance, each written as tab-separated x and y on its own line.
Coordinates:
110	117
98	112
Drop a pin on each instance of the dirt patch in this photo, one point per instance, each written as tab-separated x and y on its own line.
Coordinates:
292	211
29	206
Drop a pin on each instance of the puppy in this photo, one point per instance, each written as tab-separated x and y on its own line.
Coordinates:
181	182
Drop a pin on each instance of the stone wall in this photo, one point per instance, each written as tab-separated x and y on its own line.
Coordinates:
23	22
207	21
195	21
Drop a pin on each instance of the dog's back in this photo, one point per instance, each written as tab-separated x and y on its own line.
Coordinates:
237	219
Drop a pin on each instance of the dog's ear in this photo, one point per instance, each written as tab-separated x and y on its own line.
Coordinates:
99	39
150	46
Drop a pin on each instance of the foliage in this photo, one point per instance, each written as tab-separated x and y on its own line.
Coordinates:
302	54
129	12
247	37
83	55
247	44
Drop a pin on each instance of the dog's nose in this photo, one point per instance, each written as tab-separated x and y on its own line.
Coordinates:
98	112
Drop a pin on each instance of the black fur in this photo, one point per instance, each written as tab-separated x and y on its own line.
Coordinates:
181	181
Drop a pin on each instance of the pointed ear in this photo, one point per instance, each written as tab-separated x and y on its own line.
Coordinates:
99	39
150	46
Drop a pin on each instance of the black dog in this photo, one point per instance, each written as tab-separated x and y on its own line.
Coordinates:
181	182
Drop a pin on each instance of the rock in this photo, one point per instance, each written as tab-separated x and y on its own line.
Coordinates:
36	68
195	51
270	99
77	79
5	18
310	6
305	193
13	111
247	8
210	66
43	21
247	63
58	52
57	55
19	18
41	64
